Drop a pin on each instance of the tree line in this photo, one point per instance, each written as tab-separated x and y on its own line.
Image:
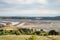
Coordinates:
28	32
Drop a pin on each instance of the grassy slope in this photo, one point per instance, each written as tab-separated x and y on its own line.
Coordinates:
23	37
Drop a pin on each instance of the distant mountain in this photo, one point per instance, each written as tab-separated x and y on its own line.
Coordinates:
39	18
51	18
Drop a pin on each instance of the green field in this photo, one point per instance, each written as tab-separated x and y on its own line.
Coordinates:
24	37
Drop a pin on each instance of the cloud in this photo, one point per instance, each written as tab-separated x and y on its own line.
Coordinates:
42	1
54	4
48	4
25	1
19	1
39	11
31	11
31	7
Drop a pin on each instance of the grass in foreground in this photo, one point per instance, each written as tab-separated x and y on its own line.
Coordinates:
26	37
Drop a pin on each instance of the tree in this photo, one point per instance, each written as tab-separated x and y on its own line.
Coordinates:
43	33
1	31
53	32
37	32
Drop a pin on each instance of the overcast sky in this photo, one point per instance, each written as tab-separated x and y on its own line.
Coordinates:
29	7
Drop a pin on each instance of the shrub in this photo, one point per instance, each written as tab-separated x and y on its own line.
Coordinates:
17	32
12	31
25	31
37	33
33	38
5	32
1	31
53	32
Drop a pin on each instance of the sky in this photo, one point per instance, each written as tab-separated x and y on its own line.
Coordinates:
29	7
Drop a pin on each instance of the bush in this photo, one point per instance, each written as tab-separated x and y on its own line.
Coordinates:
1	31
9	32
37	33
53	32
5	32
33	38
17	32
25	31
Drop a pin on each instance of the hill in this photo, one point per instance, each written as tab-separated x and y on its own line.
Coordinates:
33	18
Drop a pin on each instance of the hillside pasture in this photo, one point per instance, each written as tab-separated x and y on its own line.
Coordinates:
25	37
